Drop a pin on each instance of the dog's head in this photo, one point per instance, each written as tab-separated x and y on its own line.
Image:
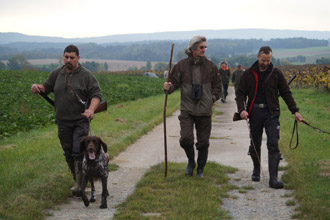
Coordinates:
91	146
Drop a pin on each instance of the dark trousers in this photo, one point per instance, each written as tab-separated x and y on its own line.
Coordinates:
260	118
70	134
224	90
203	126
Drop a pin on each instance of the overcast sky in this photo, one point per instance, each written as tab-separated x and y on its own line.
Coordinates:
91	18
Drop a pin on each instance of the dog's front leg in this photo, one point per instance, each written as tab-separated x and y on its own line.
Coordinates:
91	180
83	187
104	204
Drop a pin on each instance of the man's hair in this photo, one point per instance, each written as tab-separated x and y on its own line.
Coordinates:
265	50
223	62
195	41
71	48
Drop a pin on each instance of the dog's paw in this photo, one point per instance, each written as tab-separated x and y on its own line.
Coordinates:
85	200
103	206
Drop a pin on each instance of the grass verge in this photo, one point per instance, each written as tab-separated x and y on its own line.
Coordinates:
178	196
308	171
34	174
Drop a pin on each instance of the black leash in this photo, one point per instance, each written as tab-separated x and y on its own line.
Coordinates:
295	128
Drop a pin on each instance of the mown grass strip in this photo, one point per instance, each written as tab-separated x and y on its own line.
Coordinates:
308	171
34	174
177	196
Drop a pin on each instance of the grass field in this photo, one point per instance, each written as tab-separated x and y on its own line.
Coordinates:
308	172
34	174
114	65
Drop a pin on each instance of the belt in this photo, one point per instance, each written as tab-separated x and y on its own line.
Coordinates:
260	105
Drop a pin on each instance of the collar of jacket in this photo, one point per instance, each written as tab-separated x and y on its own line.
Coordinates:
255	67
196	60
224	68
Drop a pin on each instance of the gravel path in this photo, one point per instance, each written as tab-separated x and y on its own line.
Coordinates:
229	145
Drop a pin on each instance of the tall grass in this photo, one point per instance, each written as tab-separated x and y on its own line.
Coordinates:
34	175
177	196
309	165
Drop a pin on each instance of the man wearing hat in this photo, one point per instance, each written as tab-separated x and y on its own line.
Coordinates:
200	84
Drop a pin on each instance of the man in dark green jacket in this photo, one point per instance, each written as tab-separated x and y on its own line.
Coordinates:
200	85
72	85
236	77
262	83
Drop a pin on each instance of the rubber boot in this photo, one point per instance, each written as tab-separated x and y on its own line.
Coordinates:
72	169
201	161
273	162
190	152
256	157
78	178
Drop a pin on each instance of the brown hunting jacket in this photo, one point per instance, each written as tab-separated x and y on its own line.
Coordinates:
274	86
208	76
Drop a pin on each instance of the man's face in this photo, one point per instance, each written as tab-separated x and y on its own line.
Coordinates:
200	51
71	60
264	61
223	66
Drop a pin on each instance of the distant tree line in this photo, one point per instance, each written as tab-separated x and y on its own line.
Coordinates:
160	50
19	62
323	60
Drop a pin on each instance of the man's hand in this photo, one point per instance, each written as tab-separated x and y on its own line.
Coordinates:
167	85
244	115
298	117
36	88
89	113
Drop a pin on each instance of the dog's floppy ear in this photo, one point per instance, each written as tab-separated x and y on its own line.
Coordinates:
104	145
82	144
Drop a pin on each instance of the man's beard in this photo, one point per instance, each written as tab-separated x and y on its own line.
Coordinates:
69	66
263	67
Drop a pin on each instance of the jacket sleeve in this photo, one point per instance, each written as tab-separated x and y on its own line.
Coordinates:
175	78
94	90
233	77
242	92
286	94
216	84
49	83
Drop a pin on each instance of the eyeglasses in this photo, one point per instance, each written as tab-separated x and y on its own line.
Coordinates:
67	57
203	47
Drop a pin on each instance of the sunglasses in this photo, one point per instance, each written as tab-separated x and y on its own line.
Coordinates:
203	47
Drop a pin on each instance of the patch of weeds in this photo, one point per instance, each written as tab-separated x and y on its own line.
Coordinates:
248	187
290	203
281	168
286	195
113	167
242	191
288	186
233	197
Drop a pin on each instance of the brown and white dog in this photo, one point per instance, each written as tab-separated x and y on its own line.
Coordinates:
94	167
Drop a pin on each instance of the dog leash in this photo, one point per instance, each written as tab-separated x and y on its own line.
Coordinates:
295	129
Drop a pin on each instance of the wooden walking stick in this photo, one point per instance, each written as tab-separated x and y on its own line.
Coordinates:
164	115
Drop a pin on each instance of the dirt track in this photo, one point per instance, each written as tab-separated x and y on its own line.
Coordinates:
228	146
